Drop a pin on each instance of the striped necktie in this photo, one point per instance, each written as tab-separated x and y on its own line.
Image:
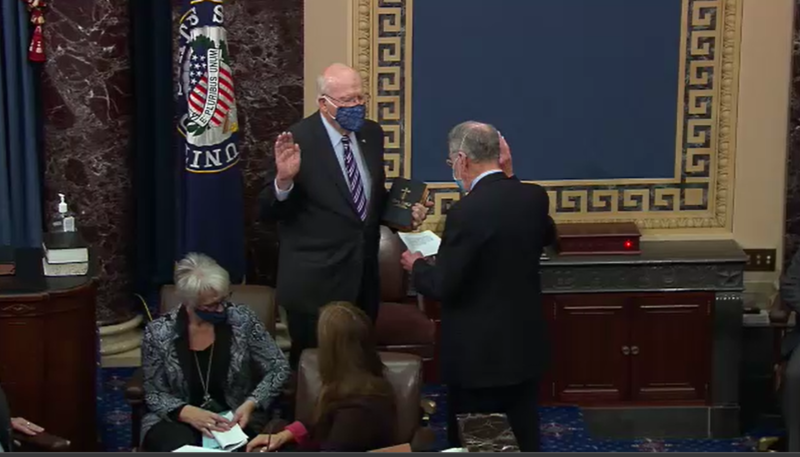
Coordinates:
354	179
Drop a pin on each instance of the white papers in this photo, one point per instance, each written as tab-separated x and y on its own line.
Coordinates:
190	448
427	243
226	441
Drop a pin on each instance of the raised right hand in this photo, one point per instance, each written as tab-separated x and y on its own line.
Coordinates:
287	160
204	421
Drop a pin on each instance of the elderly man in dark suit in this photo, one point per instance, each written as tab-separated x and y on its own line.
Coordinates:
486	276
329	207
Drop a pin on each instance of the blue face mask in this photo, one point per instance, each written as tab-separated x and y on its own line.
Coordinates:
351	118
212	317
459	182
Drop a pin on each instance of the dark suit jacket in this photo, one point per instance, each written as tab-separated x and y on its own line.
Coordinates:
790	295
487	279
327	253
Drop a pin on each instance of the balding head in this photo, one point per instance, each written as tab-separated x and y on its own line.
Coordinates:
340	82
338	86
478	141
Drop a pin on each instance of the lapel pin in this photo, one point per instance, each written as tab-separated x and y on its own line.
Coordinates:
364	140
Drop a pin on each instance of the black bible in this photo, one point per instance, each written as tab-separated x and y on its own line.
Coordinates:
404	194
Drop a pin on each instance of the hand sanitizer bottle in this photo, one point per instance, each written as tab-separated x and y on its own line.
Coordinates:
63	221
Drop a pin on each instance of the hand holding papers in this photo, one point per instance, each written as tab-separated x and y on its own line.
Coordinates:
426	243
226	441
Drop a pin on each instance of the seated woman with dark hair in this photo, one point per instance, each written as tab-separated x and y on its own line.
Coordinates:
206	357
355	411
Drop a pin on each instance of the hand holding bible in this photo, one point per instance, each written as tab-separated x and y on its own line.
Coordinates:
287	160
419	212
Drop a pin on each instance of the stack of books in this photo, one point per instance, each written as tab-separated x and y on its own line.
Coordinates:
65	254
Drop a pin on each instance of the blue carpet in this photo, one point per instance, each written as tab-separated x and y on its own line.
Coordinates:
564	430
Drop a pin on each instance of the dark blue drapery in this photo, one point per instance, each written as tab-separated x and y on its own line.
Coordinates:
20	200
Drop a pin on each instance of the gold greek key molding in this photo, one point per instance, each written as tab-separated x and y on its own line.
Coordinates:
700	194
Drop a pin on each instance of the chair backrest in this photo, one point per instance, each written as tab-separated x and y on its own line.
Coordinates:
394	281
403	371
261	299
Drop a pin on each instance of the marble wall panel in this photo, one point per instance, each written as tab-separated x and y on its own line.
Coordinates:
87	98
86	93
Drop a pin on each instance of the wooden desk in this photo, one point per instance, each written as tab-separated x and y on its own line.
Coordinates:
642	332
48	350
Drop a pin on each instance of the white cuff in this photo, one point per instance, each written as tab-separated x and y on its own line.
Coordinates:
282	195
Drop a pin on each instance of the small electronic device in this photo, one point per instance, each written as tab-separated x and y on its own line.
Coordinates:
599	239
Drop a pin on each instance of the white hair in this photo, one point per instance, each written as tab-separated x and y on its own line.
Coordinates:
196	274
322	86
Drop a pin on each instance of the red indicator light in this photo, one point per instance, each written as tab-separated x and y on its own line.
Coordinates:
628	244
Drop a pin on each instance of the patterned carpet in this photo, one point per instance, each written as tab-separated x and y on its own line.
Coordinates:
564	430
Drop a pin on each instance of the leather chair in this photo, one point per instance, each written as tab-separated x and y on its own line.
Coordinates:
261	299
404	372
402	326
19	442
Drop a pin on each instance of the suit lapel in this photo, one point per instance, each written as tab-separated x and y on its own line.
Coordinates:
330	163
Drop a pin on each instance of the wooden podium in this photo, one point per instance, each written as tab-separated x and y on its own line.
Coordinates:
48	350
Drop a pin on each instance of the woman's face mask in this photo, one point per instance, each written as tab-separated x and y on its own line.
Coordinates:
214	312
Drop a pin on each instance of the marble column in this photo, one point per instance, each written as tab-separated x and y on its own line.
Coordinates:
266	44
86	93
792	230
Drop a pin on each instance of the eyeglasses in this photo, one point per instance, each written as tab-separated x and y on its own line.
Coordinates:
358	100
217	302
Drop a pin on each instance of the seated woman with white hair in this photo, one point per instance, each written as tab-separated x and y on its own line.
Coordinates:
206	357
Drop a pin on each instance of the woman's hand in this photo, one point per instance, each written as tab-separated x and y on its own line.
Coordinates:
204	421
269	443
242	414
25	426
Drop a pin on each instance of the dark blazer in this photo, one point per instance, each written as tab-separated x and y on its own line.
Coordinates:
257	368
790	295
358	424
487	279
327	253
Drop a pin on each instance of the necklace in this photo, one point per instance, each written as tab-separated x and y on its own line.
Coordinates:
205	383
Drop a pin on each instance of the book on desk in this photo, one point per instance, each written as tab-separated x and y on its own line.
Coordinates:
65	254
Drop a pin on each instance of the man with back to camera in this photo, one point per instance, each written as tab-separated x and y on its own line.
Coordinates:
486	277
329	208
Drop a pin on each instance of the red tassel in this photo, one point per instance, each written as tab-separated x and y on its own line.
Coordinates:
36	49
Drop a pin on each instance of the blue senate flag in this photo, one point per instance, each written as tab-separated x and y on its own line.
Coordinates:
212	213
